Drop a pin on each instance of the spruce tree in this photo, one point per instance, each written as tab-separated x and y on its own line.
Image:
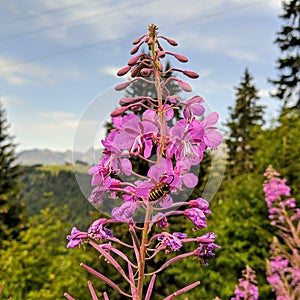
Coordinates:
288	39
245	119
11	211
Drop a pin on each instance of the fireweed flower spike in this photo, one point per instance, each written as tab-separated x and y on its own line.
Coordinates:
247	287
283	269
144	130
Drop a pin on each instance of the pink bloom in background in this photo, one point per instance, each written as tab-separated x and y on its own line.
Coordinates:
247	287
283	268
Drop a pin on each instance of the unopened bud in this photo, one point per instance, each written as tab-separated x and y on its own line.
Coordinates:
127	100
122	86
172	42
119	111
135	49
161	54
181	58
185	86
135	107
135	71
147	38
137	40
123	71
190	74
132	61
146	72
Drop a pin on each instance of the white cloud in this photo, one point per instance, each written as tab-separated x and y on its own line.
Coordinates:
57	115
220	43
242	54
54	130
110	70
16	73
264	93
10	100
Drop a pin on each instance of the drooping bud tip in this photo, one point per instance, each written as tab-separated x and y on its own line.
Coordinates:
190	74
123	71
122	86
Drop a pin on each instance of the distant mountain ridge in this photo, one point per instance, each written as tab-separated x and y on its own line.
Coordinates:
92	156
51	157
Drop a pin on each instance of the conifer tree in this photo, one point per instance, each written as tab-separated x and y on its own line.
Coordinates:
11	211
246	118
288	65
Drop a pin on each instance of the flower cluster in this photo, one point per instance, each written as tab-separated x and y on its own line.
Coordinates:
144	129
276	188
283	269
141	129
247	287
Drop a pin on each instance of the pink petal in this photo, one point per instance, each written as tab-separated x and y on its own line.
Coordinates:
213	139
190	180
210	120
148	148
197	109
126	166
166	202
92	170
96	179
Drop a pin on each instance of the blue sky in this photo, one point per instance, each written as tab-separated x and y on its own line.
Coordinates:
58	58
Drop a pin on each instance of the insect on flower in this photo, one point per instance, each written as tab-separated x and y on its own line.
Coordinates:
160	190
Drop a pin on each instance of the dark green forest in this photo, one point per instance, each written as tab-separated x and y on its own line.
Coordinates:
39	205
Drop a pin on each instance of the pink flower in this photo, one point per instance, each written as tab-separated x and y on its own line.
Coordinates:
172	242
197	216
76	238
136	135
193	107
97	230
186	141
125	212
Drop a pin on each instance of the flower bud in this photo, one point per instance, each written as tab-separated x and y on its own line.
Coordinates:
135	49
181	58
135	71
127	101
146	72
123	71
147	38
190	74
161	54
172	42
137	40
150	40
134	59
185	86
122	86
119	111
